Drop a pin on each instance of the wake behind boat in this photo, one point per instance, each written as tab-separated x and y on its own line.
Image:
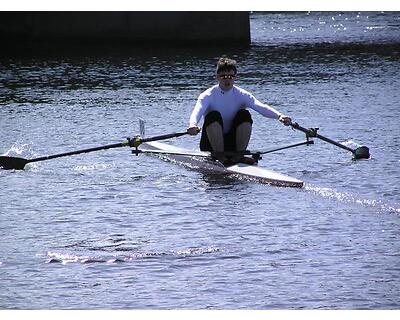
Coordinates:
204	162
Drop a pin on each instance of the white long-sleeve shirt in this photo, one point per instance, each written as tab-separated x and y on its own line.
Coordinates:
228	103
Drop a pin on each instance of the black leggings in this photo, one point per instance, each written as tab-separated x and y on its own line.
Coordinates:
242	116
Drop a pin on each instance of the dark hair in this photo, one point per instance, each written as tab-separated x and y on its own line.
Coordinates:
226	65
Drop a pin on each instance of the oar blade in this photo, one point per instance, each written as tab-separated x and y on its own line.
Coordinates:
12	163
361	153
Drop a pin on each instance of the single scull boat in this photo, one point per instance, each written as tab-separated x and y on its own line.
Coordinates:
204	162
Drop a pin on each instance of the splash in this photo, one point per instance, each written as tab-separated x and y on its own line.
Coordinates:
347	197
351	144
17	149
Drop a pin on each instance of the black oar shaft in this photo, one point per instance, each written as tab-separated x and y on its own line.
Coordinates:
358	153
165	136
19	163
334	143
65	154
312	133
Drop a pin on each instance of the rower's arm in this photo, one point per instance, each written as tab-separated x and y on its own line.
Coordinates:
262	108
199	110
267	111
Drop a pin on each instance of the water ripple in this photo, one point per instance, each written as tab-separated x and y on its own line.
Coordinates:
348	197
64	258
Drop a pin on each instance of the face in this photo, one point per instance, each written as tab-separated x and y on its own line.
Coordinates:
226	79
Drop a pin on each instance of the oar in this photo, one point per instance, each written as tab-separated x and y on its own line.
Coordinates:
136	141
358	153
19	163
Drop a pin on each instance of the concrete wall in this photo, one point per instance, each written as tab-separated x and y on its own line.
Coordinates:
125	27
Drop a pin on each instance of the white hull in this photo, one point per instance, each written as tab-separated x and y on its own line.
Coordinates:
203	162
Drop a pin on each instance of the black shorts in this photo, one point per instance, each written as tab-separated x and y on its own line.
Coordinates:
242	116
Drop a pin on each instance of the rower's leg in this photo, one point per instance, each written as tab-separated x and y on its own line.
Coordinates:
215	136
243	124
212	137
212	133
243	133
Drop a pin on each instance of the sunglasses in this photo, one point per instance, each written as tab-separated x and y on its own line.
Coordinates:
227	76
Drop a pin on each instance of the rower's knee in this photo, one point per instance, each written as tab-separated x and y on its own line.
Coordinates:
212	129
243	116
212	117
243	124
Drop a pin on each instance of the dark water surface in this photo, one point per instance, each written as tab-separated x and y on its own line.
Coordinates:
110	230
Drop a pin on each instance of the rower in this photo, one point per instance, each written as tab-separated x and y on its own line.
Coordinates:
227	122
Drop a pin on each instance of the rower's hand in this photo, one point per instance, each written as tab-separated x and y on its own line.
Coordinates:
193	131
287	121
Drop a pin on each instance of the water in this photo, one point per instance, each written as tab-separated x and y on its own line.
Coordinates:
109	230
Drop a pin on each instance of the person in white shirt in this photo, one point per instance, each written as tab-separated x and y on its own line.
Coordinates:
227	123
